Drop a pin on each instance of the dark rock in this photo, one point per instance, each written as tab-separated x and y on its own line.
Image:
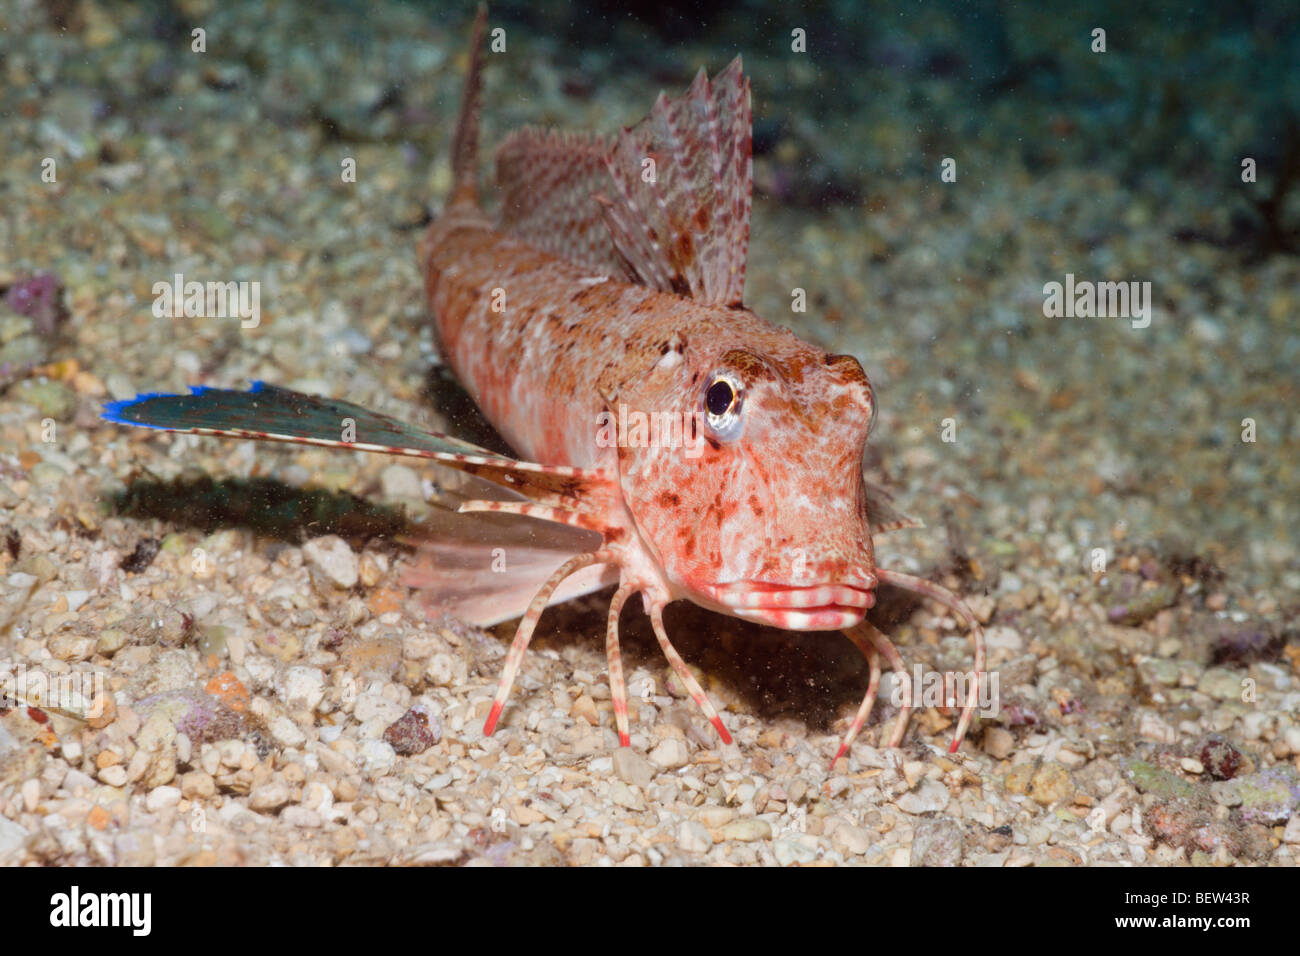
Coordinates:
1247	644
39	298
414	732
1221	760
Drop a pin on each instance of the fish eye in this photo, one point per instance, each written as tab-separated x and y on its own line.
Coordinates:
722	401
719	398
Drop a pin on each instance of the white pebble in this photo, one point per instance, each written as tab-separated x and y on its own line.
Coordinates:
377	707
300	817
303	688
439	670
399	481
286	732
269	797
795	849
693	838
162	797
76	598
378	755
330	557
851	840
1004	638
1292	739
670	754
930	797
1153	727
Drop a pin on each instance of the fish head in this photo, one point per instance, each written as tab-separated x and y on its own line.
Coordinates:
760	511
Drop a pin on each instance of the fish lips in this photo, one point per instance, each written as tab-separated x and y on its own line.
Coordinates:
818	607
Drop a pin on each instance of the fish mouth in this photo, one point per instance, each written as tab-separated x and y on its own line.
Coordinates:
819	607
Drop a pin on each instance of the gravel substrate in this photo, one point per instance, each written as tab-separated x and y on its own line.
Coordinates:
270	691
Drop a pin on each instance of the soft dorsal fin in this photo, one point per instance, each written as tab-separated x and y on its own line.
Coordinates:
680	224
548	181
683	223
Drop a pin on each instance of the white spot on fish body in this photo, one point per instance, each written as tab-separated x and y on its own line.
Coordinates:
670	359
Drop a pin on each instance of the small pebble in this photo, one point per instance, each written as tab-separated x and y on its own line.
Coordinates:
930	797
401	482
114	776
937	842
747	830
999	743
693	837
851	840
303	688
330	559
162	797
793	850
198	785
584	708
378	756
670	754
632	768
715	817
268	798
621	795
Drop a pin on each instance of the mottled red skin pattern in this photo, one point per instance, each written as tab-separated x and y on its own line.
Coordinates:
783	504
764	514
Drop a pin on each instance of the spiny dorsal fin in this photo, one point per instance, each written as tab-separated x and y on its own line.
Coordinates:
685	231
548	181
683	224
464	144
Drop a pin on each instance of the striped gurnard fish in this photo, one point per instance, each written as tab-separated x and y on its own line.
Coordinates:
608	290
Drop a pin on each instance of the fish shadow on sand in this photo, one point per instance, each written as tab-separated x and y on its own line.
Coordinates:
454	404
815	677
262	505
812	677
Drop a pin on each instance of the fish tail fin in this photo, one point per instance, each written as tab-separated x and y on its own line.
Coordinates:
464	146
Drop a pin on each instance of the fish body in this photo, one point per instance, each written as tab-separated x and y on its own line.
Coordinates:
779	504
767	520
598	322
